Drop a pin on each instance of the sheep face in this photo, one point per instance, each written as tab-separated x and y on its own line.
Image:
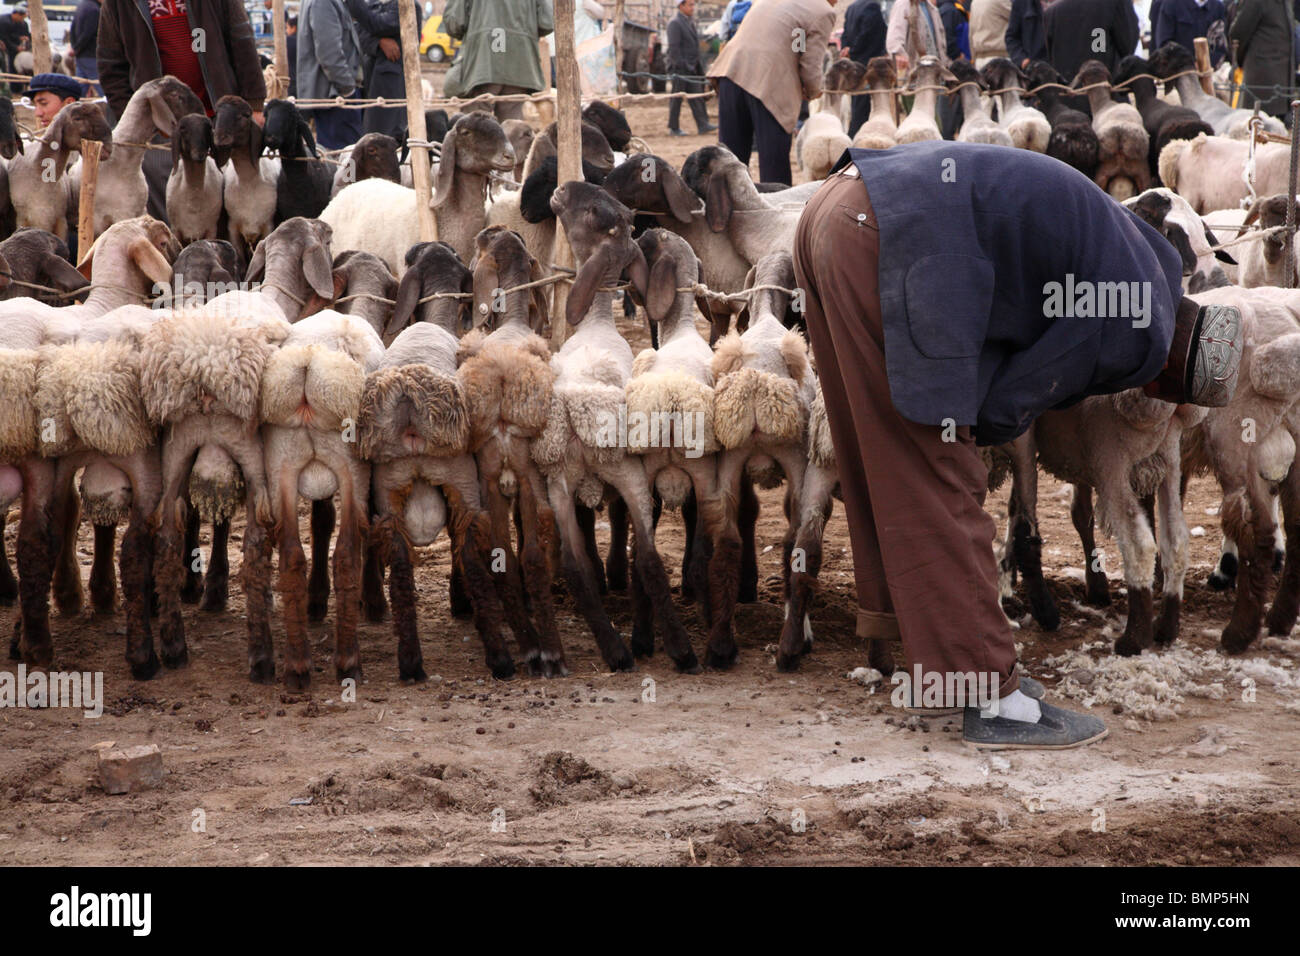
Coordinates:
1270	212
521	137
672	264
10	141
477	145
298	252
431	267
845	76
503	262
78	122
599	228
1171	58
233	129
193	140
881	73
595	148
661	191
375	157
204	264
436	124
286	131
612	123
1171	216
169	99
999	74
535	196
147	243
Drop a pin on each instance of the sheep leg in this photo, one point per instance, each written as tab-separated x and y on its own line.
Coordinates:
612	575
804	565
68	593
292	585
172	572
1026	544
8	583
255	575
192	590
580	577
690	515
318	582
538	528
103	575
1249	519
347	584
401	590
1286	603
643	612
1094	575
37	548
1175	545
458	595
696	586
372	585
216	580
747	520
1137	548
725	561
509	577
471	534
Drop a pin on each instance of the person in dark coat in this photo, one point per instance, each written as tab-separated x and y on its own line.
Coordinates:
1182	21
291	51
1026	36
380	33
14	31
684	61
862	39
1265	30
1072	36
83	37
947	312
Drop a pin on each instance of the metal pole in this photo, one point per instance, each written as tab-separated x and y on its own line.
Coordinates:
415	119
1289	238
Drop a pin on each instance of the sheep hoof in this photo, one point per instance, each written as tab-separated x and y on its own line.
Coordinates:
317	607
344	672
880	656
146	670
14	653
8	592
1236	639
643	642
174	659
553	666
409	674
503	668
297	682
720	658
787	663
376	611
192	591
104	602
69	600
214	599
622	659
1126	646
458	597
262	672
1044	610
1225	575
1097	595
748	592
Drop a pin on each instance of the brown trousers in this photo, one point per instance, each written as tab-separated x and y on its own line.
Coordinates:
922	542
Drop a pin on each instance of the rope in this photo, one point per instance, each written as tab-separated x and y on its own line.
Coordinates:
702	290
1250	236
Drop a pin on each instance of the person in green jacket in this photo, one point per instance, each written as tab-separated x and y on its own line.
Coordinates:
1265	31
499	54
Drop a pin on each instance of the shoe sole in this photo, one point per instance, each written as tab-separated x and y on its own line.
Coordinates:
1078	743
933	711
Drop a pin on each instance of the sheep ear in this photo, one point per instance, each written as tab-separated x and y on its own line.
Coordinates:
254	142
86	265
316	302
162	114
6	272
446	170
539	313
257	264
588	281
176	152
680	199
1251	214
407	299
947	76
304	131
638	272
717	203
318	270
150	261
403	149
1220	254
661	291
487	279
61	274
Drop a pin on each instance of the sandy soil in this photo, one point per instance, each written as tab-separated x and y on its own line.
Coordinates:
750	766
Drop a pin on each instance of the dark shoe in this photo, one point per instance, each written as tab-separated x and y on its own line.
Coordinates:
1057	729
1031	688
708	128
677	132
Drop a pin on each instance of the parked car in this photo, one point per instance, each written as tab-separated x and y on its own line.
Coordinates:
437	45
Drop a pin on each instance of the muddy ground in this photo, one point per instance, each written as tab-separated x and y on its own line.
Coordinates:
749	766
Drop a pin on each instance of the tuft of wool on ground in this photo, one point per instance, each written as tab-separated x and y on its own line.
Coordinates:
1154	686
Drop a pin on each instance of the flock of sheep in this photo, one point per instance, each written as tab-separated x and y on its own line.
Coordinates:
410	381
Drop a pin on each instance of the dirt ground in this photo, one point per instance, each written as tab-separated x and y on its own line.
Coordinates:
749	766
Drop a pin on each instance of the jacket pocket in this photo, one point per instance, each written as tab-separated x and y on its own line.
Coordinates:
947	297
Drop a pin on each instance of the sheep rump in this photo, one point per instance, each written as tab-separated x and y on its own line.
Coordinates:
509	383
440	418
91	393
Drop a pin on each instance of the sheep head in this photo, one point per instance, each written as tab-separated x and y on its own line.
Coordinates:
286	130
521	137
130	251
535	196
647	183
1090	72
168	99
672	265
999	74
37	256
881	73
375	157
203	265
10	141
76	123
357	272
233	128
1173	217
964	72
1270	212
476	144
599	228
930	72
1171	58
845	76
611	122
192	141
715	174
432	267
502	262
295	257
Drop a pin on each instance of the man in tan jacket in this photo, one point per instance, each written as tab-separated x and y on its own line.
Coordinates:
915	30
772	63
988	27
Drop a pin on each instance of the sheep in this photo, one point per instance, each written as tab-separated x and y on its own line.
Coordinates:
977	126
1261	260
365	281
843	77
154	107
880	131
595	147
295	271
1122	139
1164	122
311	393
763	392
41	258
1027	127
205	269
1249	445
194	188
508	382
11	144
577	452
435	285
521	137
249	186
925	79
1171	215
303	186
1234	123
751	221
820	142
1073	140
373	156
611	122
36	189
1210	171
474	147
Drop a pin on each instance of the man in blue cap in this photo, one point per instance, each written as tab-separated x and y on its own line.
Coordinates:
50	92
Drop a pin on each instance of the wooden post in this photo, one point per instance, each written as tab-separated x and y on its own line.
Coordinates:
568	106
281	51
42	57
1202	46
415	119
545	108
86	206
618	48
1288	237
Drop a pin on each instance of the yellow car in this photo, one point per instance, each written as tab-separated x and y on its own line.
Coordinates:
435	44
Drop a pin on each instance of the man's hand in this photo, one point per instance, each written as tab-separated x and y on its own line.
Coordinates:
390	48
258	118
844	53
902	61
1024	64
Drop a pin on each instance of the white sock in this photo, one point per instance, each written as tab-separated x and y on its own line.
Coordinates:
1015	706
